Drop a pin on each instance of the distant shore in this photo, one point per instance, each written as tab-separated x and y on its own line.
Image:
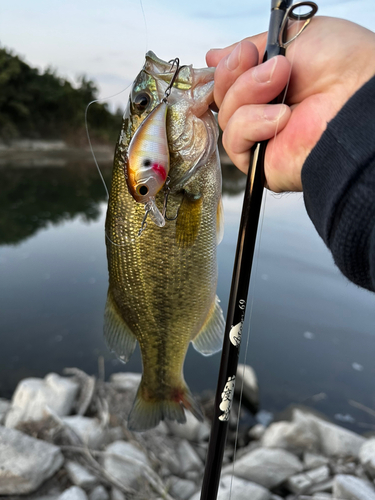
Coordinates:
53	153
56	153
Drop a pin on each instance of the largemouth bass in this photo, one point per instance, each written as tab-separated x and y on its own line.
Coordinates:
162	283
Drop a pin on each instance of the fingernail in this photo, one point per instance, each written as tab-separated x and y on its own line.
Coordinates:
263	73
233	60
274	112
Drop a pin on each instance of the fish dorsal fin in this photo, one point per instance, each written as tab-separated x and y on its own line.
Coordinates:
188	220
219	221
117	334
210	339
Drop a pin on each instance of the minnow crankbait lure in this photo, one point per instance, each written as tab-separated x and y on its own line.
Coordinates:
148	157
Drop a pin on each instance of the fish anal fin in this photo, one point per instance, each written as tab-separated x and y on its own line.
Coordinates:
210	339
188	220
219	221
118	336
147	413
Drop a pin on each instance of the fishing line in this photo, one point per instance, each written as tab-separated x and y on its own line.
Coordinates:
285	91
145	21
250	315
87	125
94	156
255	275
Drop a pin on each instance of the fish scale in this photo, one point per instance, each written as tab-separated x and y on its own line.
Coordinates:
162	285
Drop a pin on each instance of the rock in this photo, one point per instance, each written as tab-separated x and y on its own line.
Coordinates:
114	434
325	486
333	440
253	445
33	397
79	475
182	488
169	459
292	436
322	496
201	450
257	432
241	490
50	495
188	458
117	494
87	386
247	381
25	462
193	475
265	466
99	493
88	429
73	493
302	483
193	430
4	407
312	460
367	456
125	462
343	466
126	381
347	487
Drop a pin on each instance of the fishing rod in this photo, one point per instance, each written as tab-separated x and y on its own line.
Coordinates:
281	12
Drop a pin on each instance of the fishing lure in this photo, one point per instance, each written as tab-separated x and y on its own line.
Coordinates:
148	157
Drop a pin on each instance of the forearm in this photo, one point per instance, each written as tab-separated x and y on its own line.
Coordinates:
338	180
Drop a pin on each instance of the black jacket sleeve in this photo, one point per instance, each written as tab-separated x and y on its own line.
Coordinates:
338	180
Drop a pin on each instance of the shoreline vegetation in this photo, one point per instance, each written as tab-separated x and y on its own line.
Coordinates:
66	438
38	105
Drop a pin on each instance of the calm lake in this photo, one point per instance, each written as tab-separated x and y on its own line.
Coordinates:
312	333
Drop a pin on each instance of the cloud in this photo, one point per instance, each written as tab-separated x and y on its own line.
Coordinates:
108	41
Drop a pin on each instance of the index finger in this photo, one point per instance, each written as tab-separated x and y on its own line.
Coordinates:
214	56
243	57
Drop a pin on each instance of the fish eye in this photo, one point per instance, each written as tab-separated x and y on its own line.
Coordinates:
142	190
141	101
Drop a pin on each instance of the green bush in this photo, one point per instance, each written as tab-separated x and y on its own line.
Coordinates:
43	105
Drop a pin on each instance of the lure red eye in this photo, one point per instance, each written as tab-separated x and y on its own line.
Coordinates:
156	167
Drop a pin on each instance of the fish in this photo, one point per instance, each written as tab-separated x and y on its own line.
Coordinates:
162	280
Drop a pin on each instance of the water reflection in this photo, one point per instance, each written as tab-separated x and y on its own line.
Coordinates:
311	331
31	198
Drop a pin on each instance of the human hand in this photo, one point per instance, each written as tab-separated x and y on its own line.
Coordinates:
327	64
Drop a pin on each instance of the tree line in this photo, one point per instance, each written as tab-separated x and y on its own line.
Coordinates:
42	105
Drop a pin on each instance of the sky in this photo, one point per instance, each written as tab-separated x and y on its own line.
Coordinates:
107	40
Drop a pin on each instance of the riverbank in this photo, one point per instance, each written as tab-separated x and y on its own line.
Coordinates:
66	438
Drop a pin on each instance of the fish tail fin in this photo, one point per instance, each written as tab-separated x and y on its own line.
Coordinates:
147	414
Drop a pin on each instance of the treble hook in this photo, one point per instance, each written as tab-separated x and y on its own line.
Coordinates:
174	62
144	223
167	190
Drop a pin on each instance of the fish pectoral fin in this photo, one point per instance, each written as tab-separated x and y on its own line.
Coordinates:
147	414
188	220
118	336
210	339
219	221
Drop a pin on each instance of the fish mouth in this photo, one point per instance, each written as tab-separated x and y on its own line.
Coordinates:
188	78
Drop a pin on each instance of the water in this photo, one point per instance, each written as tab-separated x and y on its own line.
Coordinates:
311	331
